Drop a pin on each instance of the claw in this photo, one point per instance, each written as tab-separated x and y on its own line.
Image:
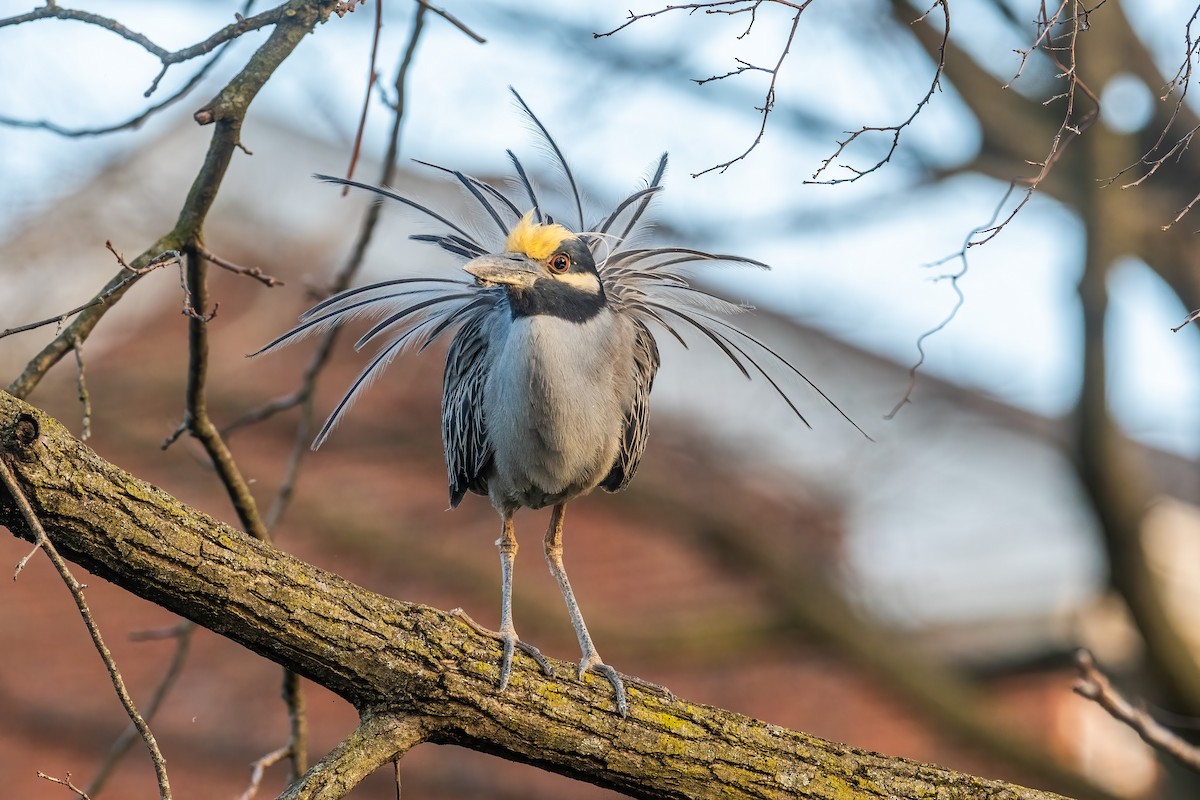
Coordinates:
511	642
592	663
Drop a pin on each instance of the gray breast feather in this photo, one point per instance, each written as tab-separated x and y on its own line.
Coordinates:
534	412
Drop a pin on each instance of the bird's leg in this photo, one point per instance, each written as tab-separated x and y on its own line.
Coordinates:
590	662
507	634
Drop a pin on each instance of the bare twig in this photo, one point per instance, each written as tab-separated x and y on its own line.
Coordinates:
295	749
24	561
85	398
76	590
292	691
959	299
731	8
221	39
894	130
249	272
1095	686
258	770
182	633
372	78
111	291
196	418
446	15
65	780
1159	154
1071	127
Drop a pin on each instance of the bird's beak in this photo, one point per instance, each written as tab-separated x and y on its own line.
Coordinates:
503	269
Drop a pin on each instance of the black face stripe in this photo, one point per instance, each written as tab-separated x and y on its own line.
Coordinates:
558	299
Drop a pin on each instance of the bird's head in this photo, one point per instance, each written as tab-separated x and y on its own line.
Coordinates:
545	269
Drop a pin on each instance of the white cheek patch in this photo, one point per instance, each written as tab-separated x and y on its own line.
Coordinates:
583	281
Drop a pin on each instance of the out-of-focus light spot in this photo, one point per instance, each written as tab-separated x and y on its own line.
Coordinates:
1125	104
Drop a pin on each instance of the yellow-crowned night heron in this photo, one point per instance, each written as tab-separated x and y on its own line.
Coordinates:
548	376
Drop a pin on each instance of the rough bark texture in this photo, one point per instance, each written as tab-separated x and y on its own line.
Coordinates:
391	658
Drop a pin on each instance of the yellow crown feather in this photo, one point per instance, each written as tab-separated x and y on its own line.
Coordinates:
534	239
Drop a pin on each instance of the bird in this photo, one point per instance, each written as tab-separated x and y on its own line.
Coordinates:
552	354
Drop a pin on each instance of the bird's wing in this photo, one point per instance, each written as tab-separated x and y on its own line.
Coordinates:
637	417
463	431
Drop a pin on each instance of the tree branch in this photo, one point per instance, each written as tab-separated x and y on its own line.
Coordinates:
227	109
379	739
1095	686
390	657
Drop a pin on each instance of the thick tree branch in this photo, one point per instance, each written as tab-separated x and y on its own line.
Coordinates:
390	657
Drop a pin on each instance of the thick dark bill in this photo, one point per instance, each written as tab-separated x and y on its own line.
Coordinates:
507	269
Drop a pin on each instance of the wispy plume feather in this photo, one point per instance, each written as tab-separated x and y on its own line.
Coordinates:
650	283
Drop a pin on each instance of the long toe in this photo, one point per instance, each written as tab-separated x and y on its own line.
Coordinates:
537	656
614	677
511	642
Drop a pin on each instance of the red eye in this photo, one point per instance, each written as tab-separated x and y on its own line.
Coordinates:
560	263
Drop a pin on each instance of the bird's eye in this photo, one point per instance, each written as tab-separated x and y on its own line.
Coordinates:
560	263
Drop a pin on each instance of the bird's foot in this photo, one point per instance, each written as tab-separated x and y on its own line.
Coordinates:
511	642
592	663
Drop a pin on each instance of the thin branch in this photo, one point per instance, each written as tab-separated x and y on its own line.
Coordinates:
65	781
258	770
731	8
727	7
182	633
894	130
292	691
85	398
51	10
372	78
76	589
959	299
768	101
110	292
19	568
196	418
221	39
1155	157
1071	128
249	272
446	15
1095	686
